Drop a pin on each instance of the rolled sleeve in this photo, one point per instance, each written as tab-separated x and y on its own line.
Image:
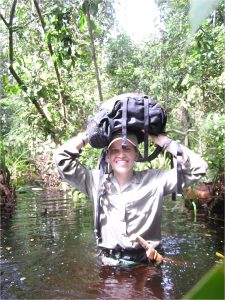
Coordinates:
70	169
194	168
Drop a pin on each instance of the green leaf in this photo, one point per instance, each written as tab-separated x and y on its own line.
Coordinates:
211	286
5	79
48	37
93	25
2	156
82	21
13	89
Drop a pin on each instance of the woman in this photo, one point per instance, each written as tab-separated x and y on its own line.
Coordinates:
131	202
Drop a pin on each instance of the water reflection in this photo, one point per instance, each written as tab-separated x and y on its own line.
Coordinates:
142	282
48	252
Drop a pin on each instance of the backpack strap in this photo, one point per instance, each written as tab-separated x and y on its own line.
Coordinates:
146	126
179	169
102	168
152	156
124	122
173	196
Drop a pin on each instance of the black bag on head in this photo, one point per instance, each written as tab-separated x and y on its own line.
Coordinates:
134	112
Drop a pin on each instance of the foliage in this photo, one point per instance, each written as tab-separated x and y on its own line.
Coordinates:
55	90
17	139
213	137
90	157
52	89
122	64
55	63
21	166
2	158
162	161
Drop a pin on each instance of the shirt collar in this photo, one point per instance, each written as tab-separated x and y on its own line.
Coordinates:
111	180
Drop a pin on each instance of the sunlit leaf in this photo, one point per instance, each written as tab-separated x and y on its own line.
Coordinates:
82	21
48	37
219	255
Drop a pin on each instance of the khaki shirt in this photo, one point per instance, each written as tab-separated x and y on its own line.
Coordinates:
135	210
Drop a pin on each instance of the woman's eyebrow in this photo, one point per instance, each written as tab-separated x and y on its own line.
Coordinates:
113	148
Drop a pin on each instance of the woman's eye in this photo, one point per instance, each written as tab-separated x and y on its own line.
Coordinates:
127	149
114	151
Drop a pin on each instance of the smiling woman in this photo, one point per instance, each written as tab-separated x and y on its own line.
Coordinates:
139	18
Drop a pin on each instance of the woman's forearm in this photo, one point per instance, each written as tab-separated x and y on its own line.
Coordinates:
169	145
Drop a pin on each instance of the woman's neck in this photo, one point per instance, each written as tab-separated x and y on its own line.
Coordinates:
123	178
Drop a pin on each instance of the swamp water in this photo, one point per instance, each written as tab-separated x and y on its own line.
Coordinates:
48	252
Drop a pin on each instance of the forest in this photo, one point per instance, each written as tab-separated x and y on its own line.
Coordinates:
60	60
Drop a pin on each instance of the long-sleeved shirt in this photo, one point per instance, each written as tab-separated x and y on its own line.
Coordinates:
134	210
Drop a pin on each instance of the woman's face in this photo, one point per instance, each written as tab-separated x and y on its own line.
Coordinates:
121	158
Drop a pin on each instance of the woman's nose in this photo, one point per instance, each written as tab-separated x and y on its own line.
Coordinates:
121	152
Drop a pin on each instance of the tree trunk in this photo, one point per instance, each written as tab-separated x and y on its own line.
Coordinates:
185	124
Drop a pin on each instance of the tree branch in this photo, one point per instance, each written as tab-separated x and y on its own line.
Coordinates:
4	20
48	126
12	13
60	87
182	132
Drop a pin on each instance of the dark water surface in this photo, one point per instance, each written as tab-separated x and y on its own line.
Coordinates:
48	252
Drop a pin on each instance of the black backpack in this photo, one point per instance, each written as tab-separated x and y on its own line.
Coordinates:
134	112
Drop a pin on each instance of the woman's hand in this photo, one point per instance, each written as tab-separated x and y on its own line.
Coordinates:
152	254
161	140
168	145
